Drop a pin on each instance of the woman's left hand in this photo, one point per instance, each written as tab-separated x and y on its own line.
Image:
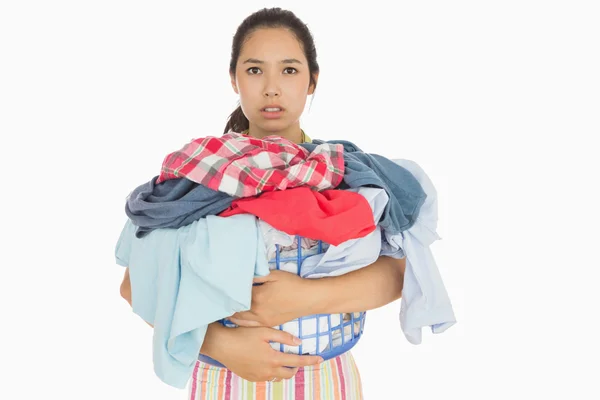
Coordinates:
282	297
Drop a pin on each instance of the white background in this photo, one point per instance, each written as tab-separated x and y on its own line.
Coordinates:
499	102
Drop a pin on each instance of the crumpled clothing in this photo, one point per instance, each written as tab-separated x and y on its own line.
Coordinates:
352	254
372	170
243	166
184	279
172	204
333	216
287	243
425	301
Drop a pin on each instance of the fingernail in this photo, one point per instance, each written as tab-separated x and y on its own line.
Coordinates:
320	360
297	340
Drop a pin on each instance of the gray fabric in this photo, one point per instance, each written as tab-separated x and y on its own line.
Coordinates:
172	204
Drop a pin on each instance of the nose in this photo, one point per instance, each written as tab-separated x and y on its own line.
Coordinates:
271	94
272	88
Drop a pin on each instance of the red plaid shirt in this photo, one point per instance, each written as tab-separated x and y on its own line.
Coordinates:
243	166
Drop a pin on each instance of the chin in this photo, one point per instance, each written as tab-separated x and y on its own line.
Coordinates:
274	126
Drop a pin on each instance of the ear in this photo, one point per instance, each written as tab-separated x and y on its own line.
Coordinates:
234	84
311	88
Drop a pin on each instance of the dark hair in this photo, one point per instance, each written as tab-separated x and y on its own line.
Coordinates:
269	18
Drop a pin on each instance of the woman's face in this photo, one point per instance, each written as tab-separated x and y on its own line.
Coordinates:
272	79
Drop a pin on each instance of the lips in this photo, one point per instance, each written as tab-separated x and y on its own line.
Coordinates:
272	111
272	108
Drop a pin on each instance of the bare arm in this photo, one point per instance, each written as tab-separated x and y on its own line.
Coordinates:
246	351
284	296
126	287
365	289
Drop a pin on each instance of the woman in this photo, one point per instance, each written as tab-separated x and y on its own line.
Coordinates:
273	69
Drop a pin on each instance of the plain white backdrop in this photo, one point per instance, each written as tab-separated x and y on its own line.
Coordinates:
499	102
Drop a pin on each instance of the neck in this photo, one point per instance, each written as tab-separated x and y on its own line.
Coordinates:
292	133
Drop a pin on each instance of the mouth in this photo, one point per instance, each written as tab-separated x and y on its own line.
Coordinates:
272	108
272	111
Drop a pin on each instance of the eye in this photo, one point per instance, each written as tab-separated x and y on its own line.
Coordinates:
251	69
294	70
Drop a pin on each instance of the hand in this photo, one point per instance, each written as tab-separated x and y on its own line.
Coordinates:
247	353
281	297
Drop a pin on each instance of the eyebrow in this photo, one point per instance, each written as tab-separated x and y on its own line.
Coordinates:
286	61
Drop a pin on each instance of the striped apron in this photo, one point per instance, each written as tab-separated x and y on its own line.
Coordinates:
335	379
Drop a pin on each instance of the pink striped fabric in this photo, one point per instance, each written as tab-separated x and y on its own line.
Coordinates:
335	379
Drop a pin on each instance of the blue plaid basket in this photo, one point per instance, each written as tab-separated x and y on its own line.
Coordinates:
326	335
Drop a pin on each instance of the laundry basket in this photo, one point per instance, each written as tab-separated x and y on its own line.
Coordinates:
326	335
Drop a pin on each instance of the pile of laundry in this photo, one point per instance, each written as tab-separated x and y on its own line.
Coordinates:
223	207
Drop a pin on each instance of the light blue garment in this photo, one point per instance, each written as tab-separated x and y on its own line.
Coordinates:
184	279
425	301
351	254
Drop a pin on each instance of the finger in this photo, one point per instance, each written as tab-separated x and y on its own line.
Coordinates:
245	323
294	360
277	336
263	279
247	315
285	373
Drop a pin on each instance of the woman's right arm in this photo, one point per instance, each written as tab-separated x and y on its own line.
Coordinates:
246	351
